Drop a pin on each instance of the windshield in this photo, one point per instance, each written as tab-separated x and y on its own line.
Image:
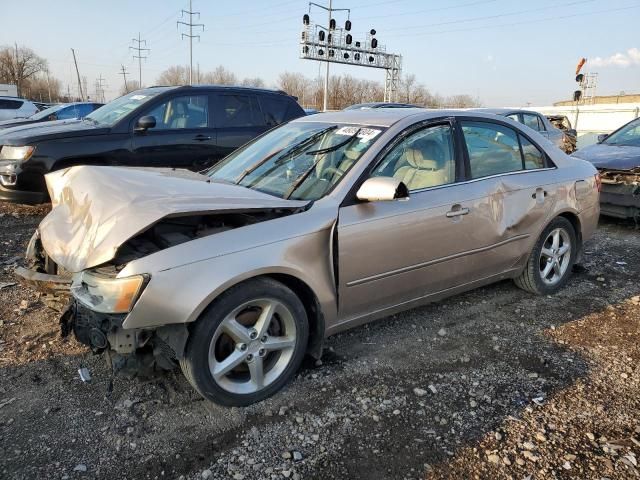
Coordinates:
627	135
46	112
116	110
299	160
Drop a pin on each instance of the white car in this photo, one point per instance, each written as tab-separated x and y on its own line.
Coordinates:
15	107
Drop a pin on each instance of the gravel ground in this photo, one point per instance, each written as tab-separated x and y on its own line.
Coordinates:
494	383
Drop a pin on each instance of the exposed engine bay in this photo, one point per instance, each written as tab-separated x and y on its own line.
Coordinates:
620	196
139	350
174	230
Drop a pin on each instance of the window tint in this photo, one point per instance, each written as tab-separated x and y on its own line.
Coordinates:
84	110
188	111
274	109
514	117
493	149
423	159
531	121
238	111
66	113
10	104
533	157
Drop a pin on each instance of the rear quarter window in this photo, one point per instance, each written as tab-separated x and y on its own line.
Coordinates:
274	109
10	104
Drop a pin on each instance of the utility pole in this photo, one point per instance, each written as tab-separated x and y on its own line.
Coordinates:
48	84
77	73
326	75
124	73
100	89
190	35
139	42
16	70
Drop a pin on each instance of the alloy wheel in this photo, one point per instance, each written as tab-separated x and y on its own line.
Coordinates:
555	256
252	346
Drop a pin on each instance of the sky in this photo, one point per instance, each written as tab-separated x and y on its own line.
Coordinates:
505	52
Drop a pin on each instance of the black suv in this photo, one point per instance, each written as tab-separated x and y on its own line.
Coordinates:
188	127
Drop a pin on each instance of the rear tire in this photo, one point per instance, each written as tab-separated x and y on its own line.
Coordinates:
551	260
247	344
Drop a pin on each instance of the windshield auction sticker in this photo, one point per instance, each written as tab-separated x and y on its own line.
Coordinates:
365	134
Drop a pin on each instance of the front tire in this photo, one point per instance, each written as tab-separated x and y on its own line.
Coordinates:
551	260
248	344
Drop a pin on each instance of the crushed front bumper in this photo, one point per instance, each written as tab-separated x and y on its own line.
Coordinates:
620	194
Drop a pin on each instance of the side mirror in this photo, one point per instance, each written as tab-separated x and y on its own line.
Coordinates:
382	189
602	137
145	123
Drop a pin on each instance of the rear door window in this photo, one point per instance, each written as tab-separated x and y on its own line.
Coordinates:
533	157
493	149
237	110
531	121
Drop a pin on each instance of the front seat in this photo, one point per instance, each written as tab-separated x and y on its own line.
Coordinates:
179	117
419	172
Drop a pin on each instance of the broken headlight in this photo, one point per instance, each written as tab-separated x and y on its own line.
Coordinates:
107	294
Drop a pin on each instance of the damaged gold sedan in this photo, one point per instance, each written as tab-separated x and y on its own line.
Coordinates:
320	225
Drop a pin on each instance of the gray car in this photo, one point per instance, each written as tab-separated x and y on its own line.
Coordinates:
535	121
317	226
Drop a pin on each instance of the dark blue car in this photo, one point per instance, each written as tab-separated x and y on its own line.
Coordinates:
63	111
617	158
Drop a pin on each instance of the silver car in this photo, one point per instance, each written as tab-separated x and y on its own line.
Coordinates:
317	226
534	121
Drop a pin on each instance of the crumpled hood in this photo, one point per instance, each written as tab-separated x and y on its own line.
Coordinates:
97	209
615	157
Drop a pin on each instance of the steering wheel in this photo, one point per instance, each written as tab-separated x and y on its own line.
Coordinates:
330	172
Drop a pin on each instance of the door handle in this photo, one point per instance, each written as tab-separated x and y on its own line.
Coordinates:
456	212
202	138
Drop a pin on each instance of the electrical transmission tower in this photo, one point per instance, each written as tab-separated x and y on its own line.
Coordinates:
124	73
139	49
100	89
190	35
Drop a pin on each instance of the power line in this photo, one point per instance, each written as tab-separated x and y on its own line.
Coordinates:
139	49
524	22
190	35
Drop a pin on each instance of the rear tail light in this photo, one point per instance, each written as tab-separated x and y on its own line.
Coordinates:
598	182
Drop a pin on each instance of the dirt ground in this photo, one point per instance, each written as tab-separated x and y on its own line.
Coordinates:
492	384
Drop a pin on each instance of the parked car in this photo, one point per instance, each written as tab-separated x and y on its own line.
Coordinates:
16	107
561	122
320	225
617	158
311	111
367	106
63	111
188	127
533	120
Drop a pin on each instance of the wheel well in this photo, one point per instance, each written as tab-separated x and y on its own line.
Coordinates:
575	222
71	162
312	307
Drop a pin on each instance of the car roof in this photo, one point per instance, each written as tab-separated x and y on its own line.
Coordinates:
225	87
501	111
384	117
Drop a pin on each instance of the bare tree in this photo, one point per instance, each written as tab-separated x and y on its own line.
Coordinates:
462	101
253	82
18	65
220	76
132	85
42	87
174	75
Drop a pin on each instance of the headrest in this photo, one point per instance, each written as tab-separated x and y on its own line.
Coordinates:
414	157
